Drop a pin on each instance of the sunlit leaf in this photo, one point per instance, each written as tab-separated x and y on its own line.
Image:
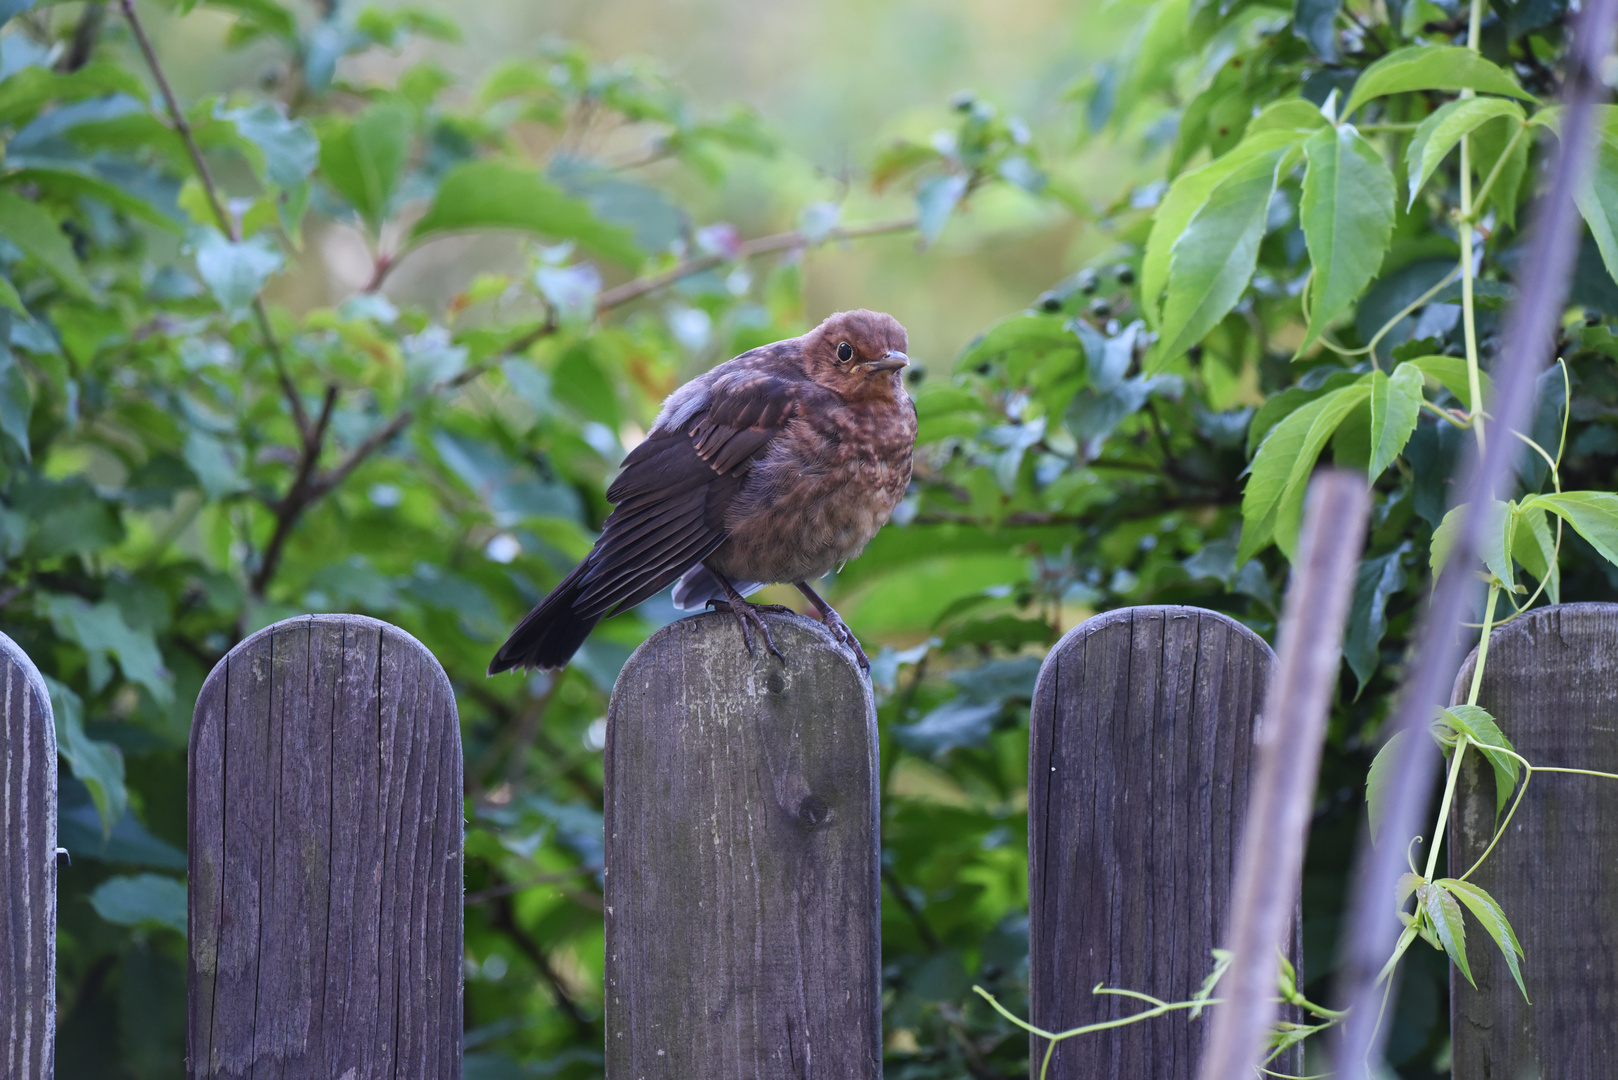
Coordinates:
1448	125
1489	913
501	195
362	159
1432	67
1477	725
1272	502
1377	780
1395	405
1213	259
1451	373
1445	916
1347	217
1534	546
1593	515
1187	195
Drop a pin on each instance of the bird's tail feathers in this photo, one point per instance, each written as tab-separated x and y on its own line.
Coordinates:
550	634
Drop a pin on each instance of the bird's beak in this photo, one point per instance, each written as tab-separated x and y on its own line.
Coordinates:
893	361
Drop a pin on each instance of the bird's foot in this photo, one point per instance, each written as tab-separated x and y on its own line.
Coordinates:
840	631
747	614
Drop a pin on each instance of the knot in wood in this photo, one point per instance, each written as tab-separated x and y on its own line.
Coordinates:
814	811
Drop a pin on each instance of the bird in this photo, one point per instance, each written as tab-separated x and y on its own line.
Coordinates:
776	466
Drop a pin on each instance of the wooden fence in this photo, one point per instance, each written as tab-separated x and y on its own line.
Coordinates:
742	883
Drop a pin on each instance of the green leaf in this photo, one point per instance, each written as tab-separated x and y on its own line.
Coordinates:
101	631
234	273
1395	404
288	149
1476	724
1534	547
32	229
1593	515
1347	217
1432	67
363	158
1376	783
10	298
1211	262
26	92
71	184
1272	502
1315	21
16	399
1451	373
1488	143
99	766
1445	915
1496	543
1597	199
141	900
500	195
1293	115
1375	581
936	199
1489	913
1439	133
1188	194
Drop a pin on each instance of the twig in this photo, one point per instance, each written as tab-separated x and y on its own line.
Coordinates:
1371	924
924	929
1296	706
748	249
85	34
503	918
227	224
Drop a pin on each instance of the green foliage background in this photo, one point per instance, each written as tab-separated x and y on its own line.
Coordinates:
387	356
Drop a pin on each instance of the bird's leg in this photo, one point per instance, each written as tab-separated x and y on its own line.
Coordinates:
746	613
834	622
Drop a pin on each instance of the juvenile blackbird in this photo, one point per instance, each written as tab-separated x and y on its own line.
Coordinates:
776	466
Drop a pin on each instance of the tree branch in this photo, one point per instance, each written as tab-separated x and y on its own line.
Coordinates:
503	918
763	245
227	224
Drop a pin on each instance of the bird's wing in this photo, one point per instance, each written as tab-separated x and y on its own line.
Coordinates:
676	486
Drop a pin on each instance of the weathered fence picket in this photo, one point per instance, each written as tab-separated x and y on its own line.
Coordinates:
27	870
1551	681
325	858
742	884
1140	754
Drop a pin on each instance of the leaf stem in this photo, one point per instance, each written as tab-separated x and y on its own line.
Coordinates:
1376	339
1483	658
1443	807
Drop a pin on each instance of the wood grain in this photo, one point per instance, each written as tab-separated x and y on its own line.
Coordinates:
742	884
1140	760
325	858
1551	682
27	870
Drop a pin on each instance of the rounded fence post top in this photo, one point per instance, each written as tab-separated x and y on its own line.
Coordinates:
1108	619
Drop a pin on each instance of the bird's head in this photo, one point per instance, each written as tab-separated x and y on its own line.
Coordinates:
858	354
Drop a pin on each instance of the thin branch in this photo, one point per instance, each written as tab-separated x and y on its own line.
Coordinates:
924	929
748	249
227	224
502	917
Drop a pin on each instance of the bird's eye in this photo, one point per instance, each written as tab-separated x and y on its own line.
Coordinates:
845	352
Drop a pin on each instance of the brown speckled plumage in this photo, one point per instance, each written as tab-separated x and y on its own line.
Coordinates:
776	466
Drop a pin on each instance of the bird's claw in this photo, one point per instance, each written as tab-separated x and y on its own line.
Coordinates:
746	613
840	631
